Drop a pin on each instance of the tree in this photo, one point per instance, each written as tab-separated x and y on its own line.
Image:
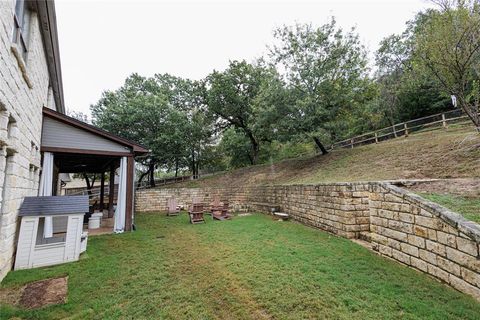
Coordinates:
89	178
232	95
163	113
325	68
78	115
405	91
448	46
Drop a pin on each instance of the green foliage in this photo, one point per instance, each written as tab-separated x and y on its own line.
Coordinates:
236	148
239	96
325	69
163	113
448	47
405	91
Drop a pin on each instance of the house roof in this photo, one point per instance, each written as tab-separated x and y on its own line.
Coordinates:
48	29
54	205
135	147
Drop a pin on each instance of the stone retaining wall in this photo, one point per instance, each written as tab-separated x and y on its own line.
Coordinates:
340	208
398	223
425	236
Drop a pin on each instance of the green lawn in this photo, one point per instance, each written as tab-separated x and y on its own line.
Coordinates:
468	207
248	268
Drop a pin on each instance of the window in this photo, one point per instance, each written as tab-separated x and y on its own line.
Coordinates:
21	26
59	231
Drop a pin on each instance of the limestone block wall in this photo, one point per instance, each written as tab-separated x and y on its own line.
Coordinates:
425	236
155	200
399	224
340	208
24	90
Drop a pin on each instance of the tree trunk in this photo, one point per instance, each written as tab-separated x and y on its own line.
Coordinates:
140	179
472	113
151	170
320	145
194	165
176	167
255	147
89	184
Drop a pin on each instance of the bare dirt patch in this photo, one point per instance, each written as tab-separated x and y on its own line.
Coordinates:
37	294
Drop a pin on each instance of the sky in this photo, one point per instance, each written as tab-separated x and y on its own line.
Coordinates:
102	42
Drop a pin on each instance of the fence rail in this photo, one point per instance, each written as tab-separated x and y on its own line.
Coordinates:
436	121
165	181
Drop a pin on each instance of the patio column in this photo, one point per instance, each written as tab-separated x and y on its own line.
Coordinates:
129	194
102	191
111	191
46	188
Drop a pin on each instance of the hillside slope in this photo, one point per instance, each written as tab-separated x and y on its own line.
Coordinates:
452	153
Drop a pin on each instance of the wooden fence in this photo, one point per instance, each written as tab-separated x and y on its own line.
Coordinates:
436	121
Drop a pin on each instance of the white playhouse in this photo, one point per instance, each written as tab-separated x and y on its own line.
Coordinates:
50	231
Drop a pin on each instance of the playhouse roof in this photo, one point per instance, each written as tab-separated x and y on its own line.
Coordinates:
54	205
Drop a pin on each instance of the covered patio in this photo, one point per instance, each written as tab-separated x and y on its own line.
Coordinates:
70	146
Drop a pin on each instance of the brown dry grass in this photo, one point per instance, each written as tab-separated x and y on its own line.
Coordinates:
454	153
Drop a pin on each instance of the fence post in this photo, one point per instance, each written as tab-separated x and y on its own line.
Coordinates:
444	121
406	129
394	131
351	143
376	137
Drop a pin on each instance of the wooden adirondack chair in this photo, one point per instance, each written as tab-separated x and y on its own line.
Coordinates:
222	212
196	213
172	207
215	205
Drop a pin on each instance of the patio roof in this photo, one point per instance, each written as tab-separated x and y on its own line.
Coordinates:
78	147
64	134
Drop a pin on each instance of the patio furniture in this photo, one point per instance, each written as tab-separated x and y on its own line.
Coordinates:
282	216
172	207
221	212
196	213
215	205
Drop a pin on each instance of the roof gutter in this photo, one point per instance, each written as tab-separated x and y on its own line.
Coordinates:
48	28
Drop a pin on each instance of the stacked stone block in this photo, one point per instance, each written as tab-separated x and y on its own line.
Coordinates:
426	236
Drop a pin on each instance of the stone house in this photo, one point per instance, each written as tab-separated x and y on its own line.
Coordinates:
33	121
30	79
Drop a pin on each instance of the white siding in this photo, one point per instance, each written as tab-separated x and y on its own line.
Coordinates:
60	135
26	240
74	233
48	254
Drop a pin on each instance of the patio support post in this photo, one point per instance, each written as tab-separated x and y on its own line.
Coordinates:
111	191
102	191
129	194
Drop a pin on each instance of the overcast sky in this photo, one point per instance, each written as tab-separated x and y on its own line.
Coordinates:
102	42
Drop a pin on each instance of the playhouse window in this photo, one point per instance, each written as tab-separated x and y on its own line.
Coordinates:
59	231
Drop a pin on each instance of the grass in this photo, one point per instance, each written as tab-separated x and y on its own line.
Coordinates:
452	153
466	206
248	268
